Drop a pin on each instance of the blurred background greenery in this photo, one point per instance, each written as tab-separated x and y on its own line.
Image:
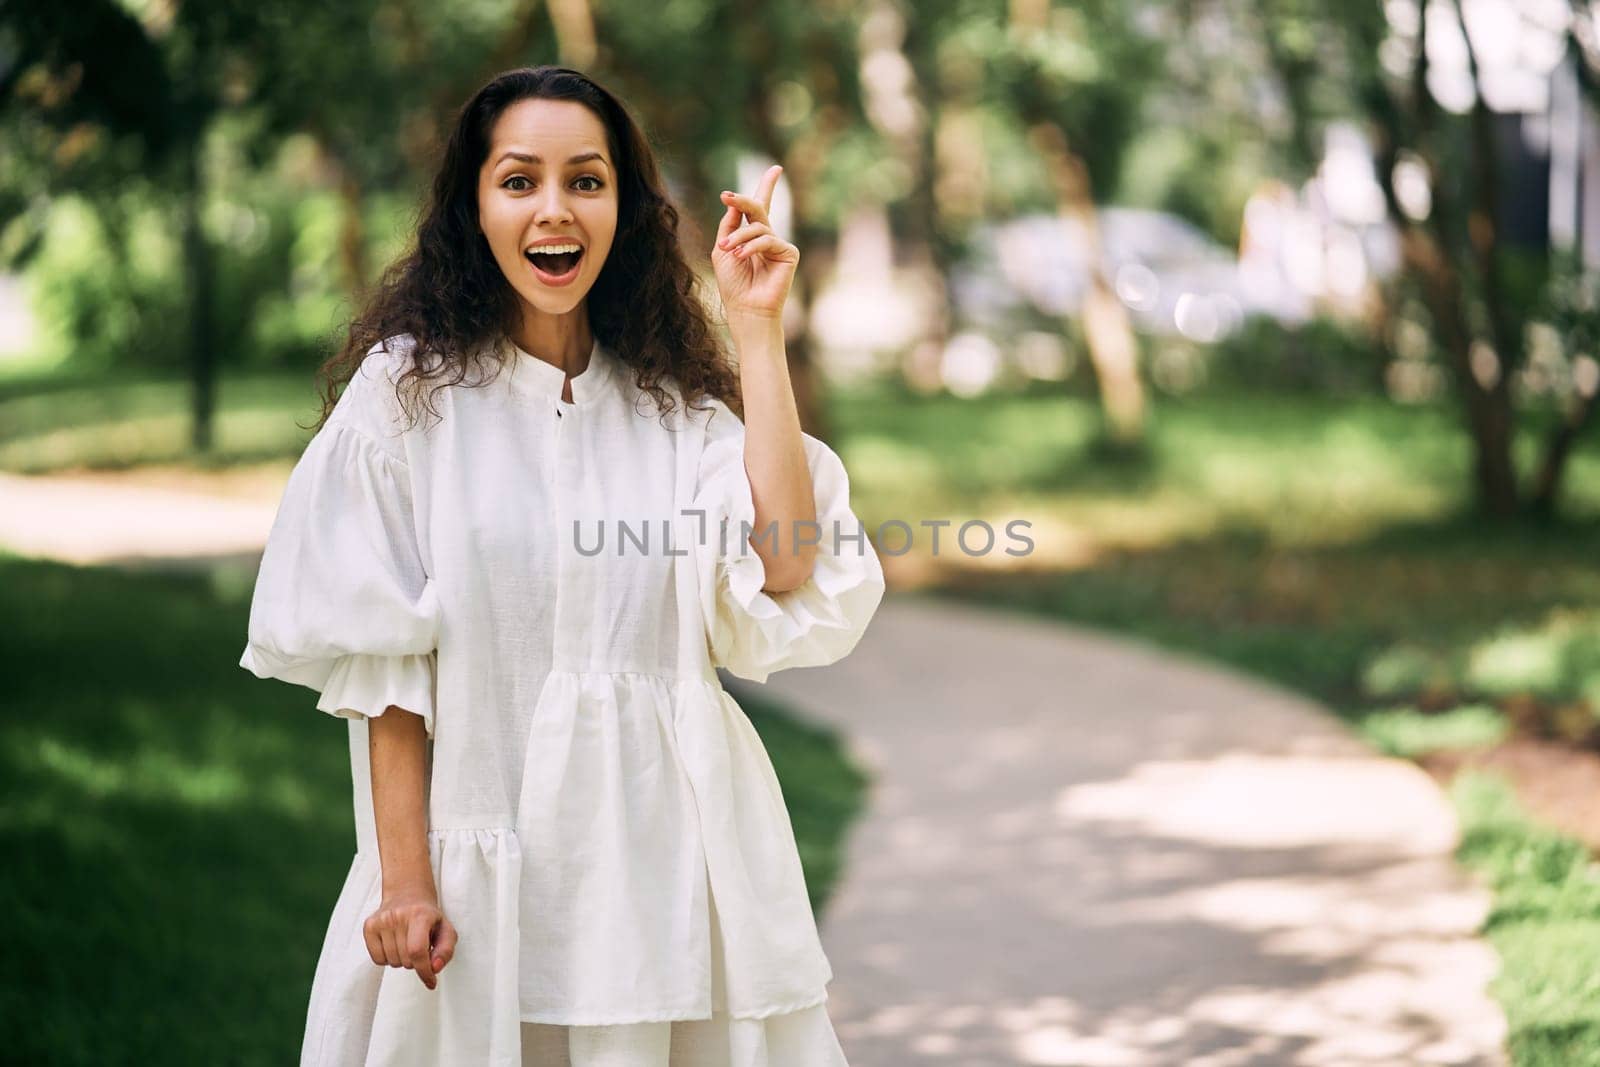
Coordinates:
1276	319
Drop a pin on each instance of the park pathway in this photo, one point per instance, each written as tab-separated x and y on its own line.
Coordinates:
113	519
1080	850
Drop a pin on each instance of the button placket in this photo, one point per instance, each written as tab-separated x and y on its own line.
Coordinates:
559	466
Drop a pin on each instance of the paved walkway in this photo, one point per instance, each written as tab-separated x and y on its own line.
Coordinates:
1078	850
1084	851
105	518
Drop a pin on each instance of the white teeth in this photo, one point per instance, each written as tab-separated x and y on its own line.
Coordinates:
550	250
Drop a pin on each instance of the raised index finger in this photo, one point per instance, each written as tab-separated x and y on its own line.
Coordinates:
769	182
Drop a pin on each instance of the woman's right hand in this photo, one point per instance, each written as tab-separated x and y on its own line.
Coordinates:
408	930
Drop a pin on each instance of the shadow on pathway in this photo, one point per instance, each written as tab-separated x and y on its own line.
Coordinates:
1083	850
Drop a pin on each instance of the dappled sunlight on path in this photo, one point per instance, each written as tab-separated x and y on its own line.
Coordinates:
1082	850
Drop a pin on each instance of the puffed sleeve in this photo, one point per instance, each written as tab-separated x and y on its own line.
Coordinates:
342	603
753	632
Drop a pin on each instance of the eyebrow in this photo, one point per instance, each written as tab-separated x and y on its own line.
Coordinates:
526	158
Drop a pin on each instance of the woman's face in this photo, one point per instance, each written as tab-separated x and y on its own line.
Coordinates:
548	175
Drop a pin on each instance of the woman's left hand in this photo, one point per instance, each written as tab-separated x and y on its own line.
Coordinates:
754	267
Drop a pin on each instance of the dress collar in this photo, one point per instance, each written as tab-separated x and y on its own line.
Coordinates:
531	374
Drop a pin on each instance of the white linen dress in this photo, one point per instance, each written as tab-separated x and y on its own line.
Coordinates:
606	831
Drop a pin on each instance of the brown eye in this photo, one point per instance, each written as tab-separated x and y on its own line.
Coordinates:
514	178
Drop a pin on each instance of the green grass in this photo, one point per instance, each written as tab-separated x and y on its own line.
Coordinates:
823	790
1409	733
1329	545
177	831
58	422
1296	468
1545	924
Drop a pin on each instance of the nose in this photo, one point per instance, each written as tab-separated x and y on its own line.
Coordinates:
552	205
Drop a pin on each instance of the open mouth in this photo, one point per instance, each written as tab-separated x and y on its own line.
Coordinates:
554	267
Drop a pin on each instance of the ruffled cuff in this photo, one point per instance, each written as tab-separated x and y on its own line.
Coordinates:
264	663
754	632
362	685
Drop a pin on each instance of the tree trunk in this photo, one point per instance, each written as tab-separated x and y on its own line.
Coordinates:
197	268
575	37
352	233
1488	422
929	246
1425	253
1499	477
1547	480
1488	418
1106	326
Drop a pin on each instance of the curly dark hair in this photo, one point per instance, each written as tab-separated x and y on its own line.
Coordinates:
450	295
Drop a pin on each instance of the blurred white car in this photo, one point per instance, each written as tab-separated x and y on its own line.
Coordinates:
1173	278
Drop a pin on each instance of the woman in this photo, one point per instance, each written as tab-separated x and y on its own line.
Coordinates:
566	829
